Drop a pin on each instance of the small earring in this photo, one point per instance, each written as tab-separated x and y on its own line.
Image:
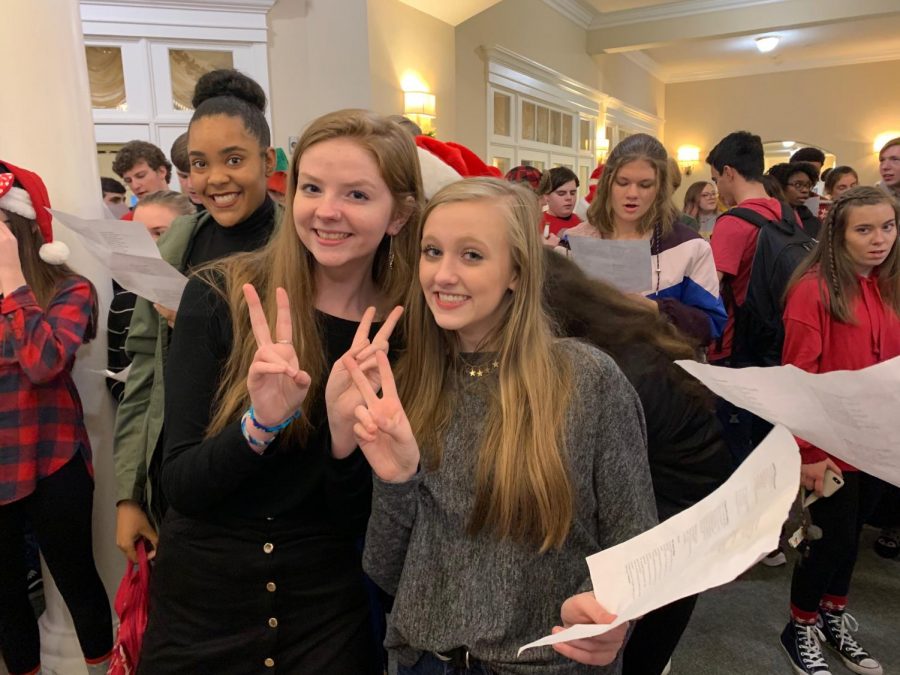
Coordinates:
391	253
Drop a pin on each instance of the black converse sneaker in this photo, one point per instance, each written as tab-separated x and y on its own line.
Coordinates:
834	628
801	644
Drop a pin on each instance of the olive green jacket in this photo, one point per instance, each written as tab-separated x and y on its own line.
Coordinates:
139	419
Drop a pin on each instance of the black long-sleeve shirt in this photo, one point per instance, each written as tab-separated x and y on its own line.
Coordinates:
220	478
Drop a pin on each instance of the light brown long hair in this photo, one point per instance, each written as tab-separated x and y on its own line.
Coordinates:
286	262
831	263
522	487
43	278
662	212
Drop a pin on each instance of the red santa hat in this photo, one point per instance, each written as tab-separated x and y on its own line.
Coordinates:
592	183
23	192
444	163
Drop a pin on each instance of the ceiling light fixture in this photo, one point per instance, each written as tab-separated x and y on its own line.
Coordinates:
768	43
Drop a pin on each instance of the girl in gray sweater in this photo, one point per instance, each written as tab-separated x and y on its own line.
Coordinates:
503	458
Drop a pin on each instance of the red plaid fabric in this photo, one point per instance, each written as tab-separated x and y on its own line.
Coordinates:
41	420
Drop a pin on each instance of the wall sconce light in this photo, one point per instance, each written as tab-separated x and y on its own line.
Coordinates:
602	146
883	138
418	107
688	158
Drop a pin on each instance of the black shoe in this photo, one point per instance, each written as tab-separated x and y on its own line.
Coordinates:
834	628
888	543
801	644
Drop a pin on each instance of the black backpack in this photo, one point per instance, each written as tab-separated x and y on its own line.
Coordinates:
758	325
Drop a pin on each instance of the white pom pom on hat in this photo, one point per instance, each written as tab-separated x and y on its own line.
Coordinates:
31	201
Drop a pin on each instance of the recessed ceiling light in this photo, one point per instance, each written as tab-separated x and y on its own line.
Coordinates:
787	144
768	43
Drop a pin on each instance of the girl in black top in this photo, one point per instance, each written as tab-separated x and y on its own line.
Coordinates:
257	567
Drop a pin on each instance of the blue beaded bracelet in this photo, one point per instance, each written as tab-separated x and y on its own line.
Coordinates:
278	427
255	443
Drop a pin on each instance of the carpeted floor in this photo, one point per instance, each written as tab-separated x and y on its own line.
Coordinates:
735	628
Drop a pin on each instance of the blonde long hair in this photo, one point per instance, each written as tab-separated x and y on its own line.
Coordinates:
662	212
522	486
831	263
286	262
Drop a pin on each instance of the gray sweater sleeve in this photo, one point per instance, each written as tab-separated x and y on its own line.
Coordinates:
390	525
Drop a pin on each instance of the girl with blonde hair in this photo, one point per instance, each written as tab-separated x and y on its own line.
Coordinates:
258	566
502	455
634	201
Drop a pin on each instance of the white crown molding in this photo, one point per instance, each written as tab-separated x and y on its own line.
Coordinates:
670	11
643	61
574	10
812	64
616	107
221	20
253	6
508	68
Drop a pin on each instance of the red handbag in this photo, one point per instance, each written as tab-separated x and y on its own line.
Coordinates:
131	606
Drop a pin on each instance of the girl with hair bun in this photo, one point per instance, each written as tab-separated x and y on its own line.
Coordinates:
502	455
634	201
46	474
259	567
231	159
842	313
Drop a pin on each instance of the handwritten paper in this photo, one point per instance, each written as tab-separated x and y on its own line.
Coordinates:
128	251
704	546
849	414
623	263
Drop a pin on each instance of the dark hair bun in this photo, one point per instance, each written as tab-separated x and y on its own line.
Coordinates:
229	82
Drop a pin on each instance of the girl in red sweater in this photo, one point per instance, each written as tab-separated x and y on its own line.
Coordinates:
842	313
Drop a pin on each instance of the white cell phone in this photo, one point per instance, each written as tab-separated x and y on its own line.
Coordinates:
833	483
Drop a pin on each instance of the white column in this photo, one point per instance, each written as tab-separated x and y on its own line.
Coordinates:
47	127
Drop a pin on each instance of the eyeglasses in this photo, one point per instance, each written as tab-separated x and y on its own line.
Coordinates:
801	186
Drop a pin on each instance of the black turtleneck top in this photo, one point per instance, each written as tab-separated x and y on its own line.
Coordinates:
212	241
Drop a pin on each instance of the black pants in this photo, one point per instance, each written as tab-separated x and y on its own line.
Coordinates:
655	637
828	567
60	511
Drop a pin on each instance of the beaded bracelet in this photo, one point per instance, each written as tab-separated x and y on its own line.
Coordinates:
255	444
278	427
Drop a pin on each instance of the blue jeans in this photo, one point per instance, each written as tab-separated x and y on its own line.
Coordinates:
429	664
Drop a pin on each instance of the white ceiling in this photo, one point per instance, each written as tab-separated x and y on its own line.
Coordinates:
686	40
453	12
861	41
705	39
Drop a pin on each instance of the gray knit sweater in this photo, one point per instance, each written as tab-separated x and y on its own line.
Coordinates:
493	596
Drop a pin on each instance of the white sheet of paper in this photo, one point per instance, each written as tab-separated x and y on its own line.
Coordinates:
624	264
121	376
849	414
704	546
813	204
128	251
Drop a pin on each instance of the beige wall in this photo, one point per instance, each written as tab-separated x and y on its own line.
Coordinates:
403	39
318	61
841	109
535	30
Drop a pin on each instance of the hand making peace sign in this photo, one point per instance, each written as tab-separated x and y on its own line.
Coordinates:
382	429
341	394
276	385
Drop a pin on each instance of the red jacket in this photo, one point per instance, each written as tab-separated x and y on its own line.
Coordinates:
41	420
817	343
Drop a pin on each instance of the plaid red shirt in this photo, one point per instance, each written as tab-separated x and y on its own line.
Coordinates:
41	421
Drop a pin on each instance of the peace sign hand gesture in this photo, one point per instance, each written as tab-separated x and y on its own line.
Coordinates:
341	394
382	429
275	383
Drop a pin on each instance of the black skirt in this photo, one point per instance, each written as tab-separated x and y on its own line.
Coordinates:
255	597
